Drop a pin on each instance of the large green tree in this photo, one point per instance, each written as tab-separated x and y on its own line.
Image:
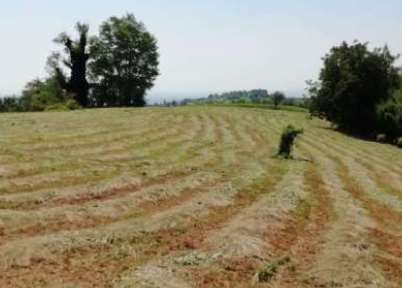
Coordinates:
75	59
124	62
353	81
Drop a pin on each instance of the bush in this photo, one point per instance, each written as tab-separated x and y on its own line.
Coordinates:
56	107
389	119
63	106
288	138
71	104
278	97
270	270
39	94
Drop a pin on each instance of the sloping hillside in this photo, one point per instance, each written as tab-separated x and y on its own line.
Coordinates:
192	197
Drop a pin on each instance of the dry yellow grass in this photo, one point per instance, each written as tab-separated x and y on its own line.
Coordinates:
192	197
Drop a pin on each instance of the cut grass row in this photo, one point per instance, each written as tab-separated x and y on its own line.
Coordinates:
202	204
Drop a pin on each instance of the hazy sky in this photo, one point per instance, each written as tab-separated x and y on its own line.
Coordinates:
206	45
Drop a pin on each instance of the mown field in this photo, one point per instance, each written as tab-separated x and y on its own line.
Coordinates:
192	197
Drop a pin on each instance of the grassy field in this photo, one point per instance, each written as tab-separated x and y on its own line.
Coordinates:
192	197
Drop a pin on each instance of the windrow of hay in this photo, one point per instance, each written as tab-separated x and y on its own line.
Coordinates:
193	197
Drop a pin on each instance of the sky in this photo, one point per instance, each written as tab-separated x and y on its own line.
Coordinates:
206	46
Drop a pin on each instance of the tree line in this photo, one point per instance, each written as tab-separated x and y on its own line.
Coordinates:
360	91
255	96
114	68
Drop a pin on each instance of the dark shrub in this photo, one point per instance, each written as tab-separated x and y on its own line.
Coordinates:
389	119
278	97
71	104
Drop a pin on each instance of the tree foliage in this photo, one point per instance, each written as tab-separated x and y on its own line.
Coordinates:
253	96
277	98
10	104
39	94
75	60
121	62
353	81
389	117
124	62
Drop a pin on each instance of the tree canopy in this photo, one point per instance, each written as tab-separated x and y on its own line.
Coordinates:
124	62
277	98
352	83
75	60
114	68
